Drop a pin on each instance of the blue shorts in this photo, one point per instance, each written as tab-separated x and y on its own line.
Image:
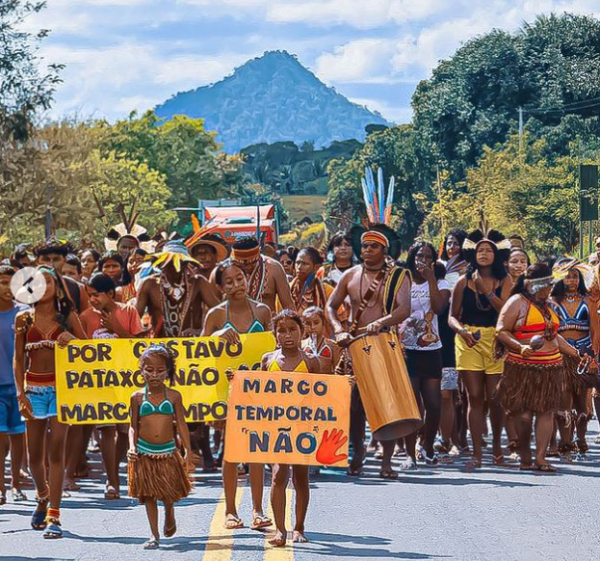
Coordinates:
43	401
10	417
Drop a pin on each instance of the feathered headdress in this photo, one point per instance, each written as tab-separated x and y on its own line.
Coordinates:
204	235
174	253
127	228
378	203
493	237
563	266
379	215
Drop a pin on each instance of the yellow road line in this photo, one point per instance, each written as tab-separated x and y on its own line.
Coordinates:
281	553
219	546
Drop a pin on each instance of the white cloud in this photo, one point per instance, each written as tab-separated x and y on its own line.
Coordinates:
110	81
364	60
392	113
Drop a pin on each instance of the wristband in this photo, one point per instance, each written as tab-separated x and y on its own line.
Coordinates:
490	295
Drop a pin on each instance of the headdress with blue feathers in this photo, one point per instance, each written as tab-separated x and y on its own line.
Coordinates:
379	205
379	213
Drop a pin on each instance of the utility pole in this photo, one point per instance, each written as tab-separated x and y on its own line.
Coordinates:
48	211
520	130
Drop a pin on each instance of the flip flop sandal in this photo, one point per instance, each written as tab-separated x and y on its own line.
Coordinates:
233	523
388	474
472	465
527	467
151	544
111	494
545	468
261	521
17	495
53	531
71	486
499	460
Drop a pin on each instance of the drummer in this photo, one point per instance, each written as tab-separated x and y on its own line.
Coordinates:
379	294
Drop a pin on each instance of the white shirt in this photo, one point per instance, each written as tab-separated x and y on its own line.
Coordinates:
421	331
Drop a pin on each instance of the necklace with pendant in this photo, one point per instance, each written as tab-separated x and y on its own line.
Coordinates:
174	291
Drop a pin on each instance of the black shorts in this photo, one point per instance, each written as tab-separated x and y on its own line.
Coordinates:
424	364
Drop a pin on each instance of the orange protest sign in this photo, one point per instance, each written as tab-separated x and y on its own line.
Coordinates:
288	418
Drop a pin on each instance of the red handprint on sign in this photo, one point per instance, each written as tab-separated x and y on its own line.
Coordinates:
330	444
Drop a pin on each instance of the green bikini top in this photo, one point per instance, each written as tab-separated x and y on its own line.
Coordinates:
148	408
256	326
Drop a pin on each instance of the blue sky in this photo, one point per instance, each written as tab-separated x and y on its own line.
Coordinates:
122	55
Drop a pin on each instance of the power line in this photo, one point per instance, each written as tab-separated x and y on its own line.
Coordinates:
574	106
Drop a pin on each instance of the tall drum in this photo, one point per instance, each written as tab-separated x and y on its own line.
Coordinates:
384	385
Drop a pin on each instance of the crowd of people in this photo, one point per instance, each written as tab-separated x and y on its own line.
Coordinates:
486	336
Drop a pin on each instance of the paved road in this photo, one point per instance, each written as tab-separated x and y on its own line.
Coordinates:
433	514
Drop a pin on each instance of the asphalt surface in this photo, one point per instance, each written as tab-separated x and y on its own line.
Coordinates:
441	513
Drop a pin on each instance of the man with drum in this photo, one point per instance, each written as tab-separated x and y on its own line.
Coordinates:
379	294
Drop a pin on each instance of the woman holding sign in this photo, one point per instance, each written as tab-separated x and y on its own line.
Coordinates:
289	357
238	314
52	321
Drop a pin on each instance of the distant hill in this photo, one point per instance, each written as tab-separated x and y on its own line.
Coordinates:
270	99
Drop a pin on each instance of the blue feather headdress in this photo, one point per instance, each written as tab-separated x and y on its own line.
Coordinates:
378	203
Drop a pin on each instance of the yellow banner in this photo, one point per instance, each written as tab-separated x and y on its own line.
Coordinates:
288	418
95	378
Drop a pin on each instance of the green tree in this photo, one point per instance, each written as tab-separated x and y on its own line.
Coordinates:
25	87
398	152
549	68
516	193
183	151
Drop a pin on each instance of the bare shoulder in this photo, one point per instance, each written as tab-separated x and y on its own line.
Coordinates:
261	309
274	265
173	395
513	301
461	282
136	397
148	283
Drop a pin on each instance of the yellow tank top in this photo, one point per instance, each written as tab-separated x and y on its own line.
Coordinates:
302	367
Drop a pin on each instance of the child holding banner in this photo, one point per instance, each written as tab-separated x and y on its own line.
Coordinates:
238	314
289	357
156	470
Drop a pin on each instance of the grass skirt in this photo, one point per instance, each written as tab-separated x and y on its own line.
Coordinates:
532	387
162	477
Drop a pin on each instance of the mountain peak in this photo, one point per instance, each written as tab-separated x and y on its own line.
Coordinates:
272	98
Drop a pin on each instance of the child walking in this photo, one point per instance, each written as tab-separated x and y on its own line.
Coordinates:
289	357
156	470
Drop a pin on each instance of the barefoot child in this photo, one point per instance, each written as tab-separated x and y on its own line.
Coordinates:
289	357
156	470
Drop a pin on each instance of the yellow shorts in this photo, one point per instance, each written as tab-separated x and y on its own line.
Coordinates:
481	357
